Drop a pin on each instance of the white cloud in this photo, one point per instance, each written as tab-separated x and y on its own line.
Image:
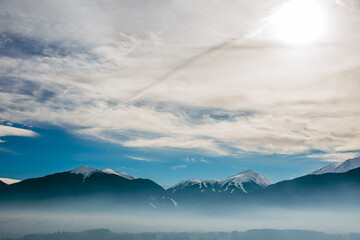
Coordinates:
13	131
178	167
204	161
177	142
194	160
190	160
141	159
335	157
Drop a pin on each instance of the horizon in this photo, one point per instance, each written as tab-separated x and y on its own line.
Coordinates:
66	152
12	181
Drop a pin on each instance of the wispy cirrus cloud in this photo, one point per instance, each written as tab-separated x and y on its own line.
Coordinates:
335	157
14	131
204	161
178	167
140	159
194	160
177	142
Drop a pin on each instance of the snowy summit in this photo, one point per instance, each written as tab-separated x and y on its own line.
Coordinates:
9	180
339	167
85	171
249	176
244	182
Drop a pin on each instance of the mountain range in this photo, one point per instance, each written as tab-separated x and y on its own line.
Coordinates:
330	184
82	184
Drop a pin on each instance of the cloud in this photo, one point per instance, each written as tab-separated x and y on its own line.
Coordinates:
174	74
13	131
141	159
178	167
190	160
193	160
177	142
204	161
5	150
335	157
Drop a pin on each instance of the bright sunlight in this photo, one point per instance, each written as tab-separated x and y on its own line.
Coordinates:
299	22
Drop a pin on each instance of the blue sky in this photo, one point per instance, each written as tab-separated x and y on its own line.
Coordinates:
142	86
55	150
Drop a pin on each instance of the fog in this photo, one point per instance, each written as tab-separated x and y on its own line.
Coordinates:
16	223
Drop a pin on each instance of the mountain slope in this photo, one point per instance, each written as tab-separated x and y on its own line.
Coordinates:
3	185
329	188
339	167
84	183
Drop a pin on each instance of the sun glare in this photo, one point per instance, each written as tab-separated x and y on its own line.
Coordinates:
299	22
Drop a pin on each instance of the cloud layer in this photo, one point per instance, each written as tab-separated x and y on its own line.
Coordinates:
206	76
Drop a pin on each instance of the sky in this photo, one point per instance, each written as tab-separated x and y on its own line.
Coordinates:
171	90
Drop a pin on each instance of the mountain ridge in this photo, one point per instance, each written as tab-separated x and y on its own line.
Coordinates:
242	189
341	167
235	182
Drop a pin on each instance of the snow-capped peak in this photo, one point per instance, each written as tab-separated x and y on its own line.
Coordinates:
338	167
85	171
9	180
248	172
226	184
121	174
247	176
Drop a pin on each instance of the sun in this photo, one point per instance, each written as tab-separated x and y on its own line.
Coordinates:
298	22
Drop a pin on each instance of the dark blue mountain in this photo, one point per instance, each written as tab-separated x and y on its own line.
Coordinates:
311	190
85	183
3	185
204	192
329	188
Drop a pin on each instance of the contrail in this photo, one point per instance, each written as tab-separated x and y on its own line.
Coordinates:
164	77
171	72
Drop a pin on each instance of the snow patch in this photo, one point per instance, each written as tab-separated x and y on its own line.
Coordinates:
85	171
118	173
174	202
223	185
9	180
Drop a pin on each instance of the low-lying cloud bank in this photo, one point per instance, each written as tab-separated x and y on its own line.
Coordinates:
19	223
